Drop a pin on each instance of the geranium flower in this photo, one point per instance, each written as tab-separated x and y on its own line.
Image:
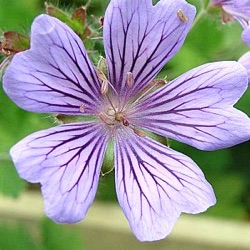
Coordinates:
154	183
238	10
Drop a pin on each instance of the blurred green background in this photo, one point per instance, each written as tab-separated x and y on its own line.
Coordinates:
227	170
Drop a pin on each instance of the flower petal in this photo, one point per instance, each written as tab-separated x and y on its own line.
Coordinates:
55	75
66	160
242	3
142	44
246	34
197	108
155	184
245	61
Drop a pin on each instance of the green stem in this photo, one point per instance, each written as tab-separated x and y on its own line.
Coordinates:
203	11
87	4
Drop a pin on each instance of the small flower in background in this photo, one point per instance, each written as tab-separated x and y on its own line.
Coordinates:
13	43
154	183
10	44
77	21
245	61
238	10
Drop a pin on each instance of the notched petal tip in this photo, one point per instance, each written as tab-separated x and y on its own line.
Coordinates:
155	184
66	160
197	107
43	24
55	75
143	45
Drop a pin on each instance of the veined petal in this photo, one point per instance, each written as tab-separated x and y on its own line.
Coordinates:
55	75
241	11
142	44
66	160
246	34
197	108
245	61
242	3
155	184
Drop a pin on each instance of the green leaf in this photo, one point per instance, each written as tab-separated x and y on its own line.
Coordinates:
15	237
60	237
10	183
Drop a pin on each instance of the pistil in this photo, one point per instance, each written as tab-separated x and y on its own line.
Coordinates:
106	119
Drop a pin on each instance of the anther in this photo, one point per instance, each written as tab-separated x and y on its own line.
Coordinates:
140	133
130	79
111	111
82	108
182	16
104	87
156	83
101	75
125	122
150	87
106	119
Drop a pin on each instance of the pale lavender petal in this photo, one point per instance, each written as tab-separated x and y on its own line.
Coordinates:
242	3
245	61
155	184
246	34
66	160
197	108
140	38
238	13
55	75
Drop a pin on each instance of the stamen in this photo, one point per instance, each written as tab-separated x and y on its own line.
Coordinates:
111	111
182	16
156	82
103	78
140	133
151	85
130	79
102	65
106	119
112	105
82	108
125	122
101	75
104	87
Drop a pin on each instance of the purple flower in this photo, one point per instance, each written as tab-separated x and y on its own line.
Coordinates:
245	61
154	183
238	10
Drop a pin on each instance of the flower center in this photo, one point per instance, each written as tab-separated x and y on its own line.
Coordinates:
116	118
113	117
114	112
